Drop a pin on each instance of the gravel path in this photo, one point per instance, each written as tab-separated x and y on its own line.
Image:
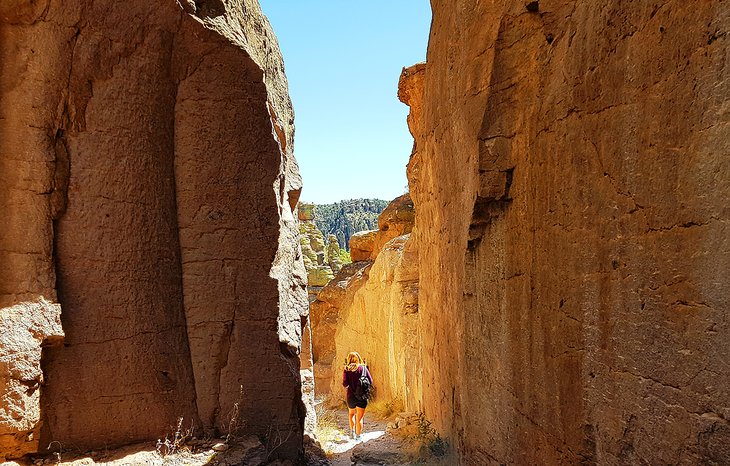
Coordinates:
375	447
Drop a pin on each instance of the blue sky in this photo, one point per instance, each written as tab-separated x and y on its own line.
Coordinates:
343	60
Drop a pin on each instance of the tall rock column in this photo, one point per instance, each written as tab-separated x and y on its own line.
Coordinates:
148	181
33	178
571	296
235	180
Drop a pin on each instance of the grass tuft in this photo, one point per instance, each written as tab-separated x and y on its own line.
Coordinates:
327	428
385	408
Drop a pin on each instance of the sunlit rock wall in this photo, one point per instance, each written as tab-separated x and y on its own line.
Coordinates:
325	320
148	186
571	181
372	307
381	324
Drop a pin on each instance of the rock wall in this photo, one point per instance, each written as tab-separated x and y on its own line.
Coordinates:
325	318
572	299
147	178
372	307
25	329
382	325
395	220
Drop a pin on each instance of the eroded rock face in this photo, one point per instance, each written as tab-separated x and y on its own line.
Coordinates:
334	254
319	272
148	181
307	376
571	300
381	323
362	245
372	307
395	220
322	258
324	316
24	329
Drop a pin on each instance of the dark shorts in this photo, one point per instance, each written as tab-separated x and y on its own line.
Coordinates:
353	402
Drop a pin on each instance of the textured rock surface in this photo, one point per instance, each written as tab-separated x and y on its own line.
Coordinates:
381	323
314	252
410	92
572	268
362	245
24	329
147	178
335	257
324	316
372	307
395	220
322	259
307	376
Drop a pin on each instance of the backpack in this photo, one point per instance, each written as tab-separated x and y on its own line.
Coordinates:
364	388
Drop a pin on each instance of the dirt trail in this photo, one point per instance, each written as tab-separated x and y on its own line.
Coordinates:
376	446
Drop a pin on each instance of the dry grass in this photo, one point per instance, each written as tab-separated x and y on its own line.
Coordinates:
416	430
327	428
235	424
385	409
173	443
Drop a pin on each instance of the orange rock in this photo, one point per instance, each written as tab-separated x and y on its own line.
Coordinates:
571	188
362	245
148	186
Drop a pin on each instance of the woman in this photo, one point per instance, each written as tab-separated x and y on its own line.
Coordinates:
354	368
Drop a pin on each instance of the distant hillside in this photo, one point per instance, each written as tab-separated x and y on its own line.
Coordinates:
345	218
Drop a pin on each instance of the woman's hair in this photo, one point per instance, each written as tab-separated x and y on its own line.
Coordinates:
353	361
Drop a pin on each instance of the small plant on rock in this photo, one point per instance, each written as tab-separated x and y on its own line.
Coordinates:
385	408
275	438
58	453
327	427
171	444
431	442
235	424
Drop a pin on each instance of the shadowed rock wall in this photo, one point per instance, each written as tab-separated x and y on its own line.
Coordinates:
148	178
572	268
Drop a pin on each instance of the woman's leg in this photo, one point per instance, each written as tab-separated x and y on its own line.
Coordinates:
351	418
359	413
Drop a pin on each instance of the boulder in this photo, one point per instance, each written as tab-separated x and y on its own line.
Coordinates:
396	220
362	245
319	275
25	329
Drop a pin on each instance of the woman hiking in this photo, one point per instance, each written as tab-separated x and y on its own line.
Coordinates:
357	391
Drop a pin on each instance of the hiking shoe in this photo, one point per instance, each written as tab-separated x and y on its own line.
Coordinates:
353	435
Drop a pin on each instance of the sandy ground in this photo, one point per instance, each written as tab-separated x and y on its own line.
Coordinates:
377	446
195	453
341	447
